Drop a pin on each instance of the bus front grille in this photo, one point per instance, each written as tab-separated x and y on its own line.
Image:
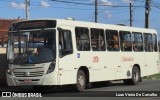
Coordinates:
32	72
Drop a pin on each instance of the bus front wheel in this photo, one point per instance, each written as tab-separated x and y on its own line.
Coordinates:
81	81
135	77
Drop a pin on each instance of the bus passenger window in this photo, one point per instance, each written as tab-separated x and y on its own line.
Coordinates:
112	40
155	42
125	38
137	40
82	39
97	40
148	43
135	47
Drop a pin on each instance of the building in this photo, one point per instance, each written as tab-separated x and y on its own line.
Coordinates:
4	28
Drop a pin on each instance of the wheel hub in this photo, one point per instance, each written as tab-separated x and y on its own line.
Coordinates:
81	81
135	76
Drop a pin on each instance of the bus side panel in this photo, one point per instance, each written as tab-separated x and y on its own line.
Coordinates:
112	61
151	63
84	59
124	71
66	69
139	60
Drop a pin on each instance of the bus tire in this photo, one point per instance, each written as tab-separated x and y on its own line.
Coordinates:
135	77
89	85
81	81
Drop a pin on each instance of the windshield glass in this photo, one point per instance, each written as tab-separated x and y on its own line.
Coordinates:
31	47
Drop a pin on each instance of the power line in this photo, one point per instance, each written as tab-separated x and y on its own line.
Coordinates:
69	2
90	4
155	2
157	6
72	2
78	3
73	8
6	0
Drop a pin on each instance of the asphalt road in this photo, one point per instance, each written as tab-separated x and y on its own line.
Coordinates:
110	90
100	91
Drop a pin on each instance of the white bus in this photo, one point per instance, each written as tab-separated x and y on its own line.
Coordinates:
57	52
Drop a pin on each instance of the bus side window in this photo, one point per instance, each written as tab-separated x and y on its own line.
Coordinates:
65	43
148	42
137	40
125	38
112	40
82	39
97	40
155	42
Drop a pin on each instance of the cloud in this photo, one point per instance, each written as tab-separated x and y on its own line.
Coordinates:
103	2
106	2
126	1
108	14
45	4
18	5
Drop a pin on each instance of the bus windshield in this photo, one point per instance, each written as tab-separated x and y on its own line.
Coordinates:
31	47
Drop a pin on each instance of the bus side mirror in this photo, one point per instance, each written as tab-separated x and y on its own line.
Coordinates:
60	54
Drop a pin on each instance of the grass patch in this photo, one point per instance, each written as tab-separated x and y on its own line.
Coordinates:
155	76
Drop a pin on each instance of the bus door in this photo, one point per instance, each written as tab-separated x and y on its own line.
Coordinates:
66	59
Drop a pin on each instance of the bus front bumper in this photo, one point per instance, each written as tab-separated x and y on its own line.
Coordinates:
48	79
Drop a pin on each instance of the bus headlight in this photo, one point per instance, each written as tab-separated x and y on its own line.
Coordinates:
51	67
9	70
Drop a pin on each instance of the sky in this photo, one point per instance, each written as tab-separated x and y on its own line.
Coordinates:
12	9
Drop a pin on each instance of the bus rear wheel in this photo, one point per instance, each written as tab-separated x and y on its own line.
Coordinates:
135	77
81	81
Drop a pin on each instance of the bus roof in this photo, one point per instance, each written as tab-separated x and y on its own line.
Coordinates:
74	23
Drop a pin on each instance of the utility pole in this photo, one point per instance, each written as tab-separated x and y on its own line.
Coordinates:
131	17
147	12
96	11
27	9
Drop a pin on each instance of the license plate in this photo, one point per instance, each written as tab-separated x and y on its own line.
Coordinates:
28	81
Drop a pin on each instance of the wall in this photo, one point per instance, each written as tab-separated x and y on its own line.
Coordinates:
3	63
